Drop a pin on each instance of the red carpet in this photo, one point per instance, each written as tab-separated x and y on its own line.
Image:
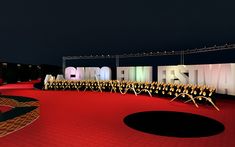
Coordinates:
5	108
71	118
20	85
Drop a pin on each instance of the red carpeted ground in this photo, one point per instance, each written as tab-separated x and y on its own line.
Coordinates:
71	118
5	108
20	85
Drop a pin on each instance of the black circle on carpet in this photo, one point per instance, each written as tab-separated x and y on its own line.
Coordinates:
173	124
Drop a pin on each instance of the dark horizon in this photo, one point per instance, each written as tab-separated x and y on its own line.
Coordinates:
42	32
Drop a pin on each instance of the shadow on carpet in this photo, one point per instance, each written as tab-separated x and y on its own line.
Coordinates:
173	124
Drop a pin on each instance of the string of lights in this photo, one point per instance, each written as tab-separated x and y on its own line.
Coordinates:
151	54
158	53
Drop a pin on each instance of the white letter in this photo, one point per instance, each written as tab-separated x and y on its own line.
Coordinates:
105	73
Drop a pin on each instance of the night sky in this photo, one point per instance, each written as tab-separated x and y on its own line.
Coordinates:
41	32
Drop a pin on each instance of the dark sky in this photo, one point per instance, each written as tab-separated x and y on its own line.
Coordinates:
42	31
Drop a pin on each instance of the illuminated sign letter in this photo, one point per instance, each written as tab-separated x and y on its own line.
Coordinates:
105	73
80	73
70	73
144	74
92	73
126	73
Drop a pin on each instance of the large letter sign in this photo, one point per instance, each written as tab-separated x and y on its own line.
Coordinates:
138	73
87	73
219	76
